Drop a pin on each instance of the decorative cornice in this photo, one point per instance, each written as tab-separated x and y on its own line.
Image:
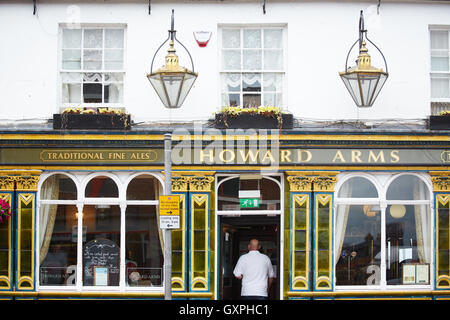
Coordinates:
300	183
25	181
440	183
180	184
324	183
311	181
200	183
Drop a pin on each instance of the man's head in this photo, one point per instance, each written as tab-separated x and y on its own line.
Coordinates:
254	245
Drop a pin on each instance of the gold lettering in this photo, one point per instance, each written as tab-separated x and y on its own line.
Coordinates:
253	156
223	158
356	156
269	156
304	152
285	156
210	155
339	156
394	156
376	158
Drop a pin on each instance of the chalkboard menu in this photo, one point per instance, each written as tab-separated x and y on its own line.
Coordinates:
101	253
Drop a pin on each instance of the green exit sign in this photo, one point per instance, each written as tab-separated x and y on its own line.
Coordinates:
249	203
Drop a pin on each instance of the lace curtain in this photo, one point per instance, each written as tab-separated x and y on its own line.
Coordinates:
47	215
422	218
341	220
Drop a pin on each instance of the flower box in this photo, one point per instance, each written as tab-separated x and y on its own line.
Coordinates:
253	121
439	122
91	121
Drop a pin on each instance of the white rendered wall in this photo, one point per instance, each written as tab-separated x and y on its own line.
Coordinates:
319	37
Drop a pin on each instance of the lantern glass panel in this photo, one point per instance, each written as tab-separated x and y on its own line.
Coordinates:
188	82
157	84
172	84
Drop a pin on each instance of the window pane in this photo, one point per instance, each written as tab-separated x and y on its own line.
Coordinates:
93	38
273	99
71	38
101	248
71	93
273	38
252	38
231	82
408	240
231	59
407	187
114	38
251	82
439	61
92	77
101	187
57	245
71	59
231	100
58	187
92	59
231	38
143	188
273	60
113	93
113	59
92	93
272	82
114	77
358	245
440	87
144	256
439	40
251	100
252	60
358	188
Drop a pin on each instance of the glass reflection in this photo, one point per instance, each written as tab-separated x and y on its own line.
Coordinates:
358	245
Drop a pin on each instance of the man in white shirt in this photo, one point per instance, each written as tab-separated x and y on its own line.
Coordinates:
256	272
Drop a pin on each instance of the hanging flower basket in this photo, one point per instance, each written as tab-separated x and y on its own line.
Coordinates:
253	118
440	122
5	211
100	118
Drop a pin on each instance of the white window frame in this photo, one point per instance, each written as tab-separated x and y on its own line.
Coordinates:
102	71
81	180
282	72
432	73
382	181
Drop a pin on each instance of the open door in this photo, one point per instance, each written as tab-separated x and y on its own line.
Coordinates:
235	234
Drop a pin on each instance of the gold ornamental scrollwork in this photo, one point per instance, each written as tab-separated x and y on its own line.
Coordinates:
6	183
300	183
180	184
27	183
324	183
200	183
440	183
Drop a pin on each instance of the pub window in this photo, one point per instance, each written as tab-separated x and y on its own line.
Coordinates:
144	256
119	227
58	229
252	66
383	231
92	66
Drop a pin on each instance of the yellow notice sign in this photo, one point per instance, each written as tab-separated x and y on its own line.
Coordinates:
169	205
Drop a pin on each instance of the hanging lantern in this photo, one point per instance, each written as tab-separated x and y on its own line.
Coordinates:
172	82
363	81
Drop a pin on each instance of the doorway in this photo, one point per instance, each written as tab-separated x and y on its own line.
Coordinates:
235	234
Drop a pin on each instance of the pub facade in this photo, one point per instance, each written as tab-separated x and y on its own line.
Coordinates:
345	209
